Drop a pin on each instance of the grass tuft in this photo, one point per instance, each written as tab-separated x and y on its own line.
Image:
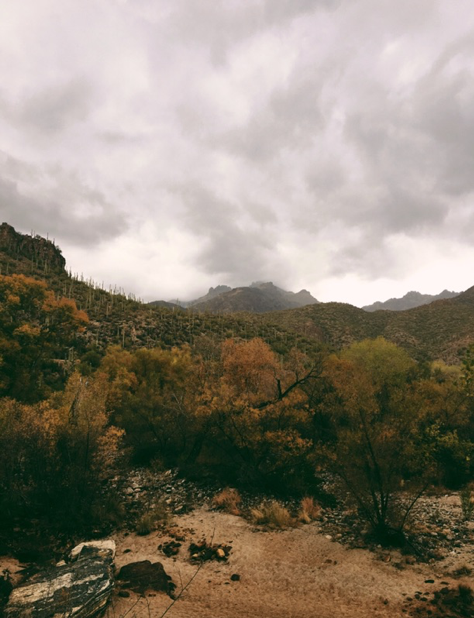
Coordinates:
272	514
309	510
228	500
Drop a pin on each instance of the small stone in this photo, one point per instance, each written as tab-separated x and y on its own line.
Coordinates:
220	553
124	594
328	537
235	577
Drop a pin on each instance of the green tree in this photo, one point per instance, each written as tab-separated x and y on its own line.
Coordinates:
372	431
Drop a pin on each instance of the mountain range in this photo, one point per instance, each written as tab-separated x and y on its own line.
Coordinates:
439	330
409	301
259	297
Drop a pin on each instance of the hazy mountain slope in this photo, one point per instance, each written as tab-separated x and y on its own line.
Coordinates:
212	293
256	298
409	301
164	303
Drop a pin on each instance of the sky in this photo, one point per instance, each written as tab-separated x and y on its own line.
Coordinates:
172	145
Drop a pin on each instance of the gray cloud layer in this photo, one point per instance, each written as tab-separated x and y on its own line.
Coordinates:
320	144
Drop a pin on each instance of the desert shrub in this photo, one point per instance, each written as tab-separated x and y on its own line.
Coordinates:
36	329
258	423
228	500
465	591
151	395
109	510
152	519
271	514
467	503
462	570
453	455
57	455
309	510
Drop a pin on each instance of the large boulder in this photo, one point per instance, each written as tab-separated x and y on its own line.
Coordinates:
80	588
145	575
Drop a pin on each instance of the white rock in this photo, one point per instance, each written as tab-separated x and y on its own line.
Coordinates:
107	546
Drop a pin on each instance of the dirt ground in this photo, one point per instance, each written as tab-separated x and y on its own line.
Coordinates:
283	574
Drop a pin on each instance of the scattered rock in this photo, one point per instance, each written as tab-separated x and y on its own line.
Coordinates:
235	577
455	603
203	551
171	548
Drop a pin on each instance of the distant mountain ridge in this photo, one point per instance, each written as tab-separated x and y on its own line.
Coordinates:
259	297
438	330
409	301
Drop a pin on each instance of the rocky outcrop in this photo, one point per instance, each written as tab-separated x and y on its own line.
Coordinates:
42	252
80	588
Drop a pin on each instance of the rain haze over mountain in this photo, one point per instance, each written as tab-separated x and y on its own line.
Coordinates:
173	146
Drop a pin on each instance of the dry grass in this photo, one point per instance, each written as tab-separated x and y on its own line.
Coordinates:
228	500
309	510
271	514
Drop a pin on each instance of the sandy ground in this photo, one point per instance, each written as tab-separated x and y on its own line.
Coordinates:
289	574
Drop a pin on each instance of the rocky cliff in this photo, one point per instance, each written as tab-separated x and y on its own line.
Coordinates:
40	251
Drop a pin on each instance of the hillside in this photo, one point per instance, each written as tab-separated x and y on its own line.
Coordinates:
409	301
438	330
120	319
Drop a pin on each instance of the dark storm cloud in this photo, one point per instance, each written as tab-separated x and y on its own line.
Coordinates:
221	25
83	217
290	120
232	248
51	109
443	111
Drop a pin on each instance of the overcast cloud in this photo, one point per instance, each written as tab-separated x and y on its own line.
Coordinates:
172	146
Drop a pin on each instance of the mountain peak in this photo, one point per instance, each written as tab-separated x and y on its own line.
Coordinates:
258	297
